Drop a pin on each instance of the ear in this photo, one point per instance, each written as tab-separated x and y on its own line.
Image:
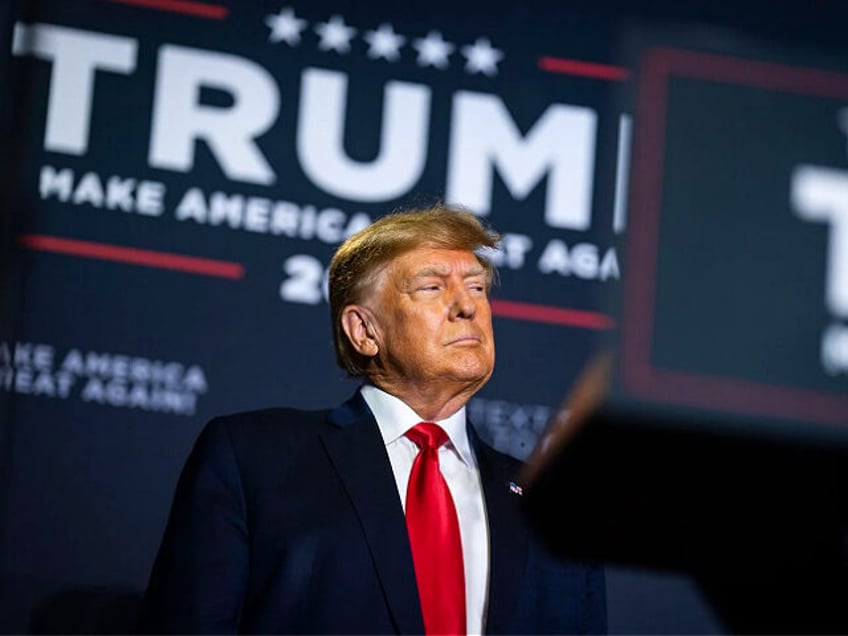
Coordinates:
357	325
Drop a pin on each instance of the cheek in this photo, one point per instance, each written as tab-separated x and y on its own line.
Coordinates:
485	321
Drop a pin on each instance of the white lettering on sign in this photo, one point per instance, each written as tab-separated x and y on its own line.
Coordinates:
821	194
121	394
511	251
834	349
556	153
112	193
582	260
179	120
306	280
113	379
559	146
76	56
320	138
264	216
622	173
511	427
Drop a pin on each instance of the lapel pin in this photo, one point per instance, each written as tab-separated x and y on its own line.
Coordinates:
515	488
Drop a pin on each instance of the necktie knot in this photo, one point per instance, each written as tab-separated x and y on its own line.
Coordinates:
427	435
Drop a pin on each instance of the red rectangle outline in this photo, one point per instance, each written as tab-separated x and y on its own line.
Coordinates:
637	374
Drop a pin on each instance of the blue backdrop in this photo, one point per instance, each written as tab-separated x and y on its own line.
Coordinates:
176	177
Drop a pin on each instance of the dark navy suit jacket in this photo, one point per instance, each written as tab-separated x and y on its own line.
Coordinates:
288	521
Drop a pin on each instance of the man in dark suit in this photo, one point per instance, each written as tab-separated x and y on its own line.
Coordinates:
290	521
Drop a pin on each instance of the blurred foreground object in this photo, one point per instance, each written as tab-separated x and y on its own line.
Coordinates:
715	440
759	523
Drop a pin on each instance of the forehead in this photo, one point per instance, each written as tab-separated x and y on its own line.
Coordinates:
424	261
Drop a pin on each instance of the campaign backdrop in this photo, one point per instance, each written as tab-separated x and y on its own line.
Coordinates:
176	177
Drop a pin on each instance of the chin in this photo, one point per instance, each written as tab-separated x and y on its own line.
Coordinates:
469	368
472	376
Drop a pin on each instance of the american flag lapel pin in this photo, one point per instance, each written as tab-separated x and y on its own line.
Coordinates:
515	489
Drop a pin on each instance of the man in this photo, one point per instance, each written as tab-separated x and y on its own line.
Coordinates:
289	521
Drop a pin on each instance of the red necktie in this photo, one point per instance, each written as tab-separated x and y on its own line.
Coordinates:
434	536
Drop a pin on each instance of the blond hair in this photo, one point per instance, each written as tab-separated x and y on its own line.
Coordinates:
360	258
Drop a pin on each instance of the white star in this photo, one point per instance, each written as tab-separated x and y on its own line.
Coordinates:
384	42
285	26
433	50
335	35
482	58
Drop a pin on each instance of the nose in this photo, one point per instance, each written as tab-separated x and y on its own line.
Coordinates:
463	303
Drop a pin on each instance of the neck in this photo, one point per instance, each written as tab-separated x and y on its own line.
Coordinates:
431	403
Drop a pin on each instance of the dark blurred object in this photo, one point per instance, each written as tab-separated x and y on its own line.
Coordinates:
95	610
758	521
715	442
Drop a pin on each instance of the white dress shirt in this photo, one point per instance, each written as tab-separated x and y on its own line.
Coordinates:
459	468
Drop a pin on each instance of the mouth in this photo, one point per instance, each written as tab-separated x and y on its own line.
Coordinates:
465	340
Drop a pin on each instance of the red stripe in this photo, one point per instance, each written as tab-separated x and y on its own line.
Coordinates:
586	69
133	256
188	7
556	315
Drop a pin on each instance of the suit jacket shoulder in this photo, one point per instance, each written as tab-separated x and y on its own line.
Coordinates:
285	521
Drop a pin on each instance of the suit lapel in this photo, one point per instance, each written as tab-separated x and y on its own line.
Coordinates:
358	454
507	534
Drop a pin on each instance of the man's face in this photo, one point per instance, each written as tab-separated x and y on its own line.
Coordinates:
433	320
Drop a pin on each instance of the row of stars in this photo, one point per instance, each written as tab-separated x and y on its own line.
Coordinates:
383	42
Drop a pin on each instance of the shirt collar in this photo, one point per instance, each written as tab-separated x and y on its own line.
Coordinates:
394	417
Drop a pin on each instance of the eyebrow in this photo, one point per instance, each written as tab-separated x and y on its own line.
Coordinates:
441	272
